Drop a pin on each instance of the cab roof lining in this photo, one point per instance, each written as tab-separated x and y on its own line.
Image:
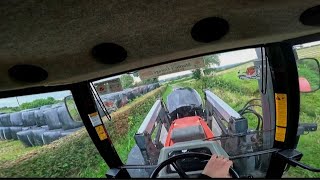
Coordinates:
59	35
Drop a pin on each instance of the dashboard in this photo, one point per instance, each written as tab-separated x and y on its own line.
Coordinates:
192	166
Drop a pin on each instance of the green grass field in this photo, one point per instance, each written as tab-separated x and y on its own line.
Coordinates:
309	52
12	150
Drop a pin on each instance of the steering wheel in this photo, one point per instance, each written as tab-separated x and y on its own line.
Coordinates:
173	161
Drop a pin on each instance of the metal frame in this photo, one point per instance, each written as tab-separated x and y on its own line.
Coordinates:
86	105
285	80
223	112
149	148
268	108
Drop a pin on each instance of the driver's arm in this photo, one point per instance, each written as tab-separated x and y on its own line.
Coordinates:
217	167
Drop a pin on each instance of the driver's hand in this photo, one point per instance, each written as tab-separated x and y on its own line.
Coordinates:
218	167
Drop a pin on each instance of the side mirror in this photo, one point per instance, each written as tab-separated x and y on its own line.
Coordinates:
72	108
309	75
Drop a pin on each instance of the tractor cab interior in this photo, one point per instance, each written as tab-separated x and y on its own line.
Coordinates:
160	86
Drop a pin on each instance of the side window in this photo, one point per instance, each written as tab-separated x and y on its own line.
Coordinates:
42	135
37	120
308	56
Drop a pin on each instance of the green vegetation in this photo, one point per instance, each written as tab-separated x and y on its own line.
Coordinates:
211	60
309	144
29	105
9	109
150	81
12	150
196	74
166	93
126	81
309	52
38	103
66	157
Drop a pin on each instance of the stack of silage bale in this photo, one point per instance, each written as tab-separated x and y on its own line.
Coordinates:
38	126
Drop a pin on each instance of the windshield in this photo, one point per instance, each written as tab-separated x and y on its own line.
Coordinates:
213	98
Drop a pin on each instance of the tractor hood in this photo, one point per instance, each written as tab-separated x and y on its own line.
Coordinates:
183	97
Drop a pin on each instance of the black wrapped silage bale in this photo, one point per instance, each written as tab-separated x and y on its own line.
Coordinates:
50	136
37	135
1	134
45	107
6	133
70	131
52	119
130	95
39	117
16	119
26	137
5	120
14	131
28	118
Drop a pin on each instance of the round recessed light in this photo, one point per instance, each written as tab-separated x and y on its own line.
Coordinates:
311	16
109	53
28	73
209	29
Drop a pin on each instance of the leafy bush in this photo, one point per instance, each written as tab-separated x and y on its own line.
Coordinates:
29	105
208	71
126	81
196	74
38	103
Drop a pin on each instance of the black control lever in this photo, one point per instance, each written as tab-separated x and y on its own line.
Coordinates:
306	127
309	126
304	166
293	157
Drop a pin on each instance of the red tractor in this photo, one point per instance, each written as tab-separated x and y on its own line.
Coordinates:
190	131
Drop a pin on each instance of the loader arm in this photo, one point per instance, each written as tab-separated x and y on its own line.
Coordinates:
149	148
221	118
225	121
